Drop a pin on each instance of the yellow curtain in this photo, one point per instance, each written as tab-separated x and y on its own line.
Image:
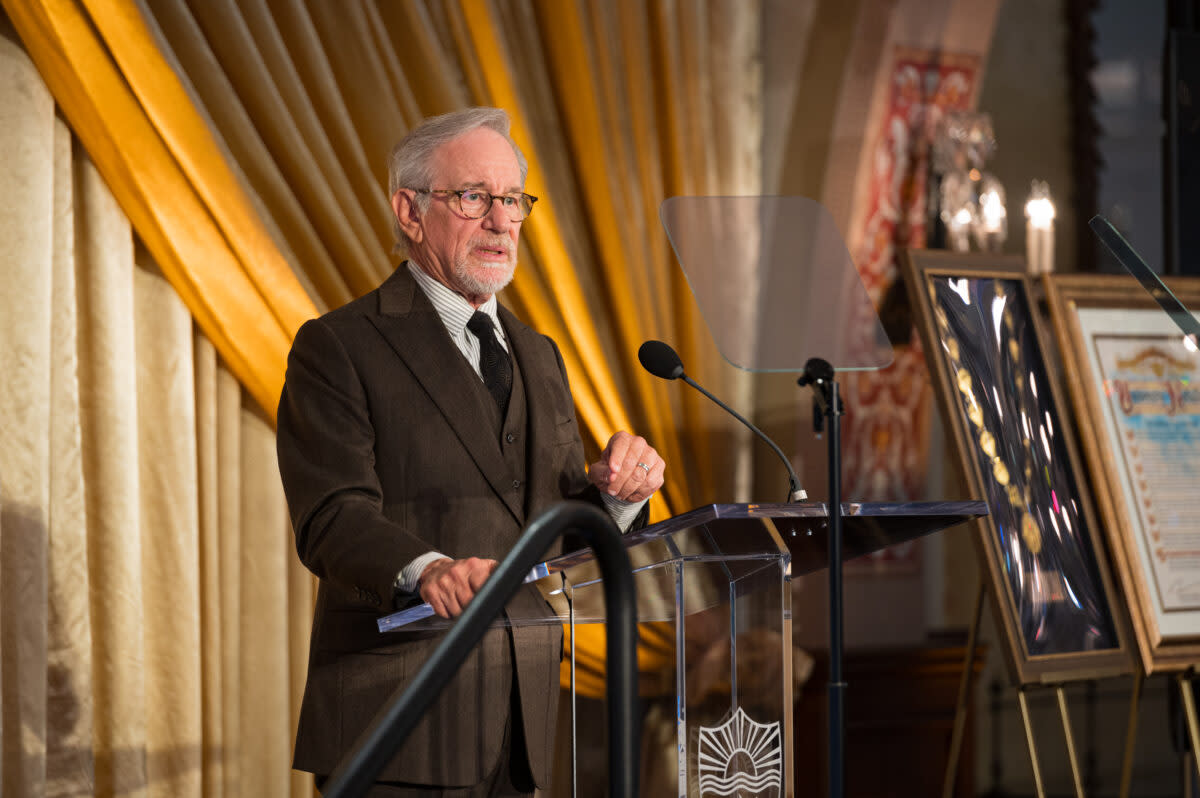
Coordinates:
306	99
153	619
246	142
135	119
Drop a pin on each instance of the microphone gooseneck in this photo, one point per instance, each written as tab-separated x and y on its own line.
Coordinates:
662	361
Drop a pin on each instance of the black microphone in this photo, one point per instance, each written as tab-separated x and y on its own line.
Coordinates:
662	361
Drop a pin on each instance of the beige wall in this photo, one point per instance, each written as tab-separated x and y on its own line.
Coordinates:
1026	91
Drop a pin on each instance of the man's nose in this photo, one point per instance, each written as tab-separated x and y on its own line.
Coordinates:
497	217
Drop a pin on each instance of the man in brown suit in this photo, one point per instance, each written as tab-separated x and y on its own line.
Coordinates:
420	428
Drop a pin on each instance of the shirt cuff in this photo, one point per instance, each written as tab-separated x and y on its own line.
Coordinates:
621	512
409	579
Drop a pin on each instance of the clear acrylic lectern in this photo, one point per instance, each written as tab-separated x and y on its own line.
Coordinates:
715	583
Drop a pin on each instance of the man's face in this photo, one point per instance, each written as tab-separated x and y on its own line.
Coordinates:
473	257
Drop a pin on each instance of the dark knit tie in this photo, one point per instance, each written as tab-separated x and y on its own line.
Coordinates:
494	363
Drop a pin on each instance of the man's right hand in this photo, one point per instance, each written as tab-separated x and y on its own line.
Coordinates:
448	585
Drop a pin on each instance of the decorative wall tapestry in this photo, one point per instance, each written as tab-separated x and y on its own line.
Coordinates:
886	431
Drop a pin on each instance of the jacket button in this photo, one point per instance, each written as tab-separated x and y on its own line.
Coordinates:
516	484
510	437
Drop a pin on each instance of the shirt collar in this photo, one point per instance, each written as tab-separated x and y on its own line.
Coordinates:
453	310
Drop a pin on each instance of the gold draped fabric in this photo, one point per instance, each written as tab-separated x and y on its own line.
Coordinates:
617	105
206	117
153	620
134	118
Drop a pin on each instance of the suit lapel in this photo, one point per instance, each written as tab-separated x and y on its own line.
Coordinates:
412	327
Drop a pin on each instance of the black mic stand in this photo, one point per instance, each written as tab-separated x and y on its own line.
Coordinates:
827	404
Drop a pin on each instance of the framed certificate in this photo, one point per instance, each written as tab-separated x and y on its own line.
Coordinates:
1135	386
1041	548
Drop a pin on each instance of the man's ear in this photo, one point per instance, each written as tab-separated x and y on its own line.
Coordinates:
404	205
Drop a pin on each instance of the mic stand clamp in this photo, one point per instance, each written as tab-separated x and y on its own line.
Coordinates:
820	375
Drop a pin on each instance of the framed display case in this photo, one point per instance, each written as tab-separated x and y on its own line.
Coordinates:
1134	383
1041	550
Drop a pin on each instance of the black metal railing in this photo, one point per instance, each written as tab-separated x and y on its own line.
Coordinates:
376	746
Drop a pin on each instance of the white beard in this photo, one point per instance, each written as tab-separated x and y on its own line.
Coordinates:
484	279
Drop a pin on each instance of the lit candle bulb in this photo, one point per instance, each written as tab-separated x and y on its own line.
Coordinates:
993	212
1039	230
958	230
991	228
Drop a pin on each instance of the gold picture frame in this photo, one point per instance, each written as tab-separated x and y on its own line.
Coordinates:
1041	550
1130	379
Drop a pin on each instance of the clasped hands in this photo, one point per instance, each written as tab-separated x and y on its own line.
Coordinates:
629	469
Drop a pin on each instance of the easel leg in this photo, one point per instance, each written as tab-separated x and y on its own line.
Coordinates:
1131	735
1189	706
1023	701
1070	738
964	698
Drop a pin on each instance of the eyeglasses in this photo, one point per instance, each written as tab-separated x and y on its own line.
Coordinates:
475	204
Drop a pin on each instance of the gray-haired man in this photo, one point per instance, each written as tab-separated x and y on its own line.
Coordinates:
421	426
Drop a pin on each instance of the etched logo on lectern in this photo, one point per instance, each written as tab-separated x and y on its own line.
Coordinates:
740	758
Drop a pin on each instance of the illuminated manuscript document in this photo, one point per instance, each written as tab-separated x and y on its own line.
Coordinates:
1151	387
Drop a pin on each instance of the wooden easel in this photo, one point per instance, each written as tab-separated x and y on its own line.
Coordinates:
963	706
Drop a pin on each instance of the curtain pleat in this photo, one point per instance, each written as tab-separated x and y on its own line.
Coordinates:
26	458
619	184
423	79
301	597
345	77
109	401
263	80
170	534
265	675
69	756
186	48
213	684
562	304
229	477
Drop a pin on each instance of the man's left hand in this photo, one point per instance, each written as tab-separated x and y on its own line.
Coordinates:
629	469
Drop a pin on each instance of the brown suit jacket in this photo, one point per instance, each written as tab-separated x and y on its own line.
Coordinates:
389	447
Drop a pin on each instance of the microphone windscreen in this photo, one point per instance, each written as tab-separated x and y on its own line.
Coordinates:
660	360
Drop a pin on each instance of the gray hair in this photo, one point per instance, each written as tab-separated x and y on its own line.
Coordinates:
410	164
